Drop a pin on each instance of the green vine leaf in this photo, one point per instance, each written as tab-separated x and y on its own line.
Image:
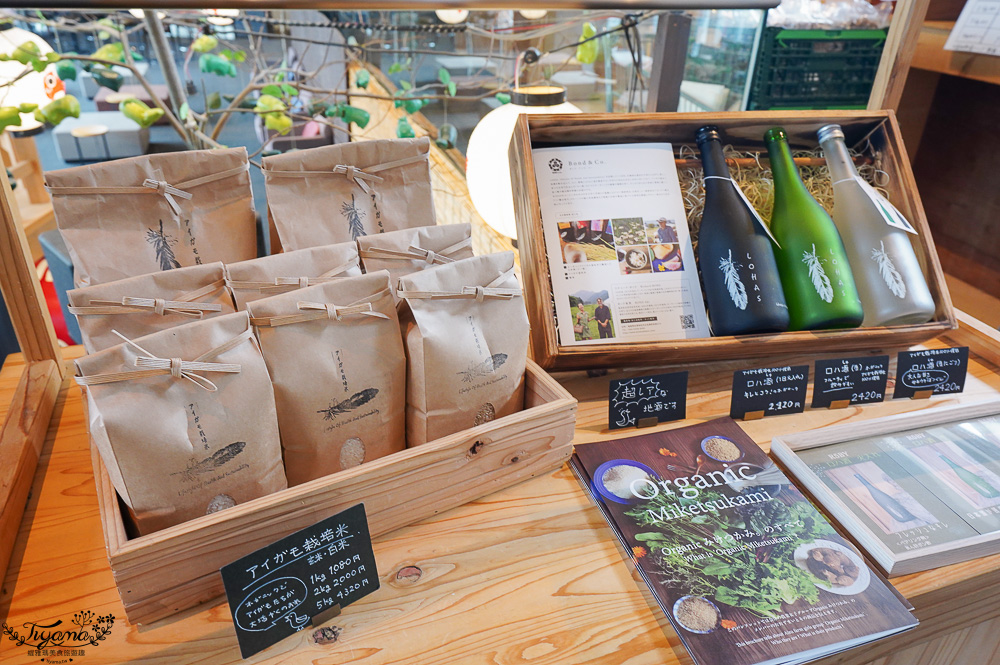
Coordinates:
272	90
444	76
452	88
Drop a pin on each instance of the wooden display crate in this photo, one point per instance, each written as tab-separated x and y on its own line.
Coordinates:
176	568
745	131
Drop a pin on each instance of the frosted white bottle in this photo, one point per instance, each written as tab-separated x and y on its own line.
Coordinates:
890	282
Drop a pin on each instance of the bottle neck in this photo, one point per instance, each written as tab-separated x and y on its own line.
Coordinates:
783	169
713	161
838	159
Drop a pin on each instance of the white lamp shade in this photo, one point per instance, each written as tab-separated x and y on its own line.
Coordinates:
533	14
452	16
487	168
31	88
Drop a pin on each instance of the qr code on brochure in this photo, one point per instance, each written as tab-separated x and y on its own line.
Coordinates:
687	321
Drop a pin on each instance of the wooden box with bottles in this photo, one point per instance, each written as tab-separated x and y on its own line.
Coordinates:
877	129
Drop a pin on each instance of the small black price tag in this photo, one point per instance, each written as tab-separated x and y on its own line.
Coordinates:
276	591
661	396
770	391
844	381
941	371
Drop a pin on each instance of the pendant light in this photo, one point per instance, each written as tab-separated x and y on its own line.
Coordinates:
487	167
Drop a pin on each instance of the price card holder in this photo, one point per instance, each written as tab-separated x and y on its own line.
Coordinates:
920	374
841	382
770	391
301	580
647	401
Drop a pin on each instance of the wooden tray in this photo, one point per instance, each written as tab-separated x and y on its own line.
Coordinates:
177	568
746	131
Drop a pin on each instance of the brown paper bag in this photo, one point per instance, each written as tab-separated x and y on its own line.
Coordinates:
336	358
157	212
466	333
409	250
281	273
341	192
184	420
142	305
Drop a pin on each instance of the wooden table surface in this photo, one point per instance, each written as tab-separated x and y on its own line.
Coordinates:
530	574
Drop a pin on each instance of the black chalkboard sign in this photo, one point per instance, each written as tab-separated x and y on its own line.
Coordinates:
277	590
859	380
939	370
656	398
769	391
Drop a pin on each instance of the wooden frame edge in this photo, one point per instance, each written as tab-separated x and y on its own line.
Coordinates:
21	439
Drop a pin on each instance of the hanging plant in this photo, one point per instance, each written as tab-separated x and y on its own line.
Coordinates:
10	116
349	114
55	112
404	130
447	135
209	63
204	44
139	112
586	53
107	78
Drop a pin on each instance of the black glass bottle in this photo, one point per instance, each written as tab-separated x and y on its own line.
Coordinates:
739	274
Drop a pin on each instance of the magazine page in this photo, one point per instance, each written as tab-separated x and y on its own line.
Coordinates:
745	568
618	245
952	468
877	483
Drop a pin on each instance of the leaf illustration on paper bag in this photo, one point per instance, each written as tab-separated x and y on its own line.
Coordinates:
887	269
217	459
734	284
818	275
354	401
162	242
354	217
484	368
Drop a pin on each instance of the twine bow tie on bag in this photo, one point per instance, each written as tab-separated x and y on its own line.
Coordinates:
150	365
169	191
283	284
363	178
313	311
479	293
416	253
184	305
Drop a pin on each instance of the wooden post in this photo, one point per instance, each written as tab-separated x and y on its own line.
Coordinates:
669	56
20	287
897	53
21	440
24	154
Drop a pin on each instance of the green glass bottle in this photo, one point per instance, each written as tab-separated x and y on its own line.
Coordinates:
972	480
816	277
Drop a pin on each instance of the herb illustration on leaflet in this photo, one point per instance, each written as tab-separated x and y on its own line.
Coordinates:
742	564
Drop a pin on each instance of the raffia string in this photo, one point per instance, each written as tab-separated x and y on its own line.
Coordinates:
177	368
284	284
359	176
313	311
480	293
184	305
415	252
152	186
